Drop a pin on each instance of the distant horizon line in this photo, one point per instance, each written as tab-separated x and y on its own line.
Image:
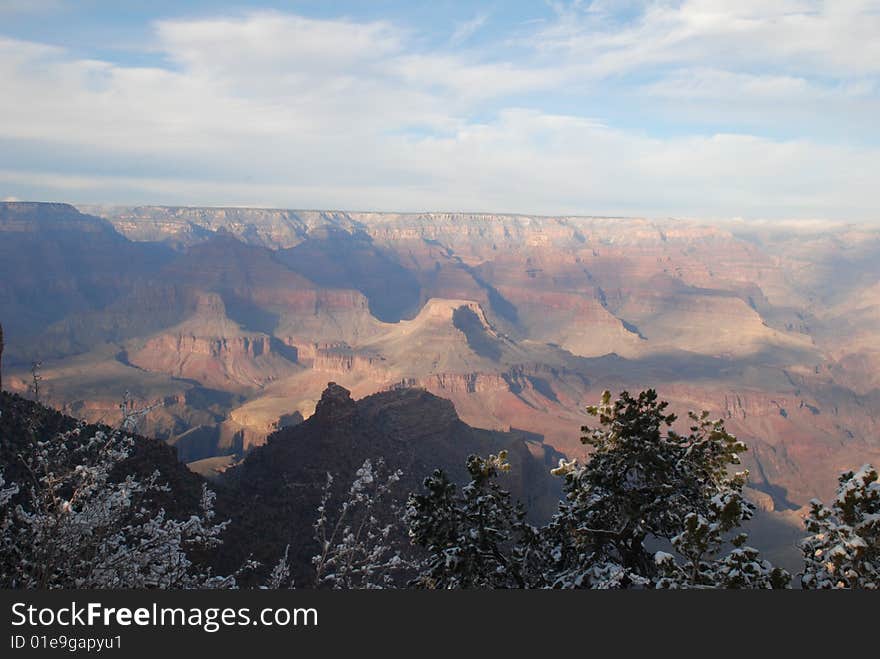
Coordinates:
674	218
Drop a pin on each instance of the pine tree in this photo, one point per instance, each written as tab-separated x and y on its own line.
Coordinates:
642	481
476	537
844	548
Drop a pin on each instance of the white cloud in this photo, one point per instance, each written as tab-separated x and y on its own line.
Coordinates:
271	43
834	37
532	162
466	29
783	103
280	110
703	83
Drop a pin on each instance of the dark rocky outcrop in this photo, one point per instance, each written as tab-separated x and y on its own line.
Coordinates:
279	485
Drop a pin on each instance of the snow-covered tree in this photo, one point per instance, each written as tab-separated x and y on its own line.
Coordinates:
70	523
645	480
844	548
357	539
642	481
476	537
704	566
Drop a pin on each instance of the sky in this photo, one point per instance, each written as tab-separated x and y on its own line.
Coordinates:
699	108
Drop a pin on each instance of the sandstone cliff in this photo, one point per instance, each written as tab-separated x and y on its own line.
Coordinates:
213	350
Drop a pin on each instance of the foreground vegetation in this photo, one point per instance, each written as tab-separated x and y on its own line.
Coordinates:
650	508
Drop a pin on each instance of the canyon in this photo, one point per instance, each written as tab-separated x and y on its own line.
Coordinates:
231	322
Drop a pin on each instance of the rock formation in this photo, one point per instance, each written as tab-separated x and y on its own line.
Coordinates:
410	429
212	349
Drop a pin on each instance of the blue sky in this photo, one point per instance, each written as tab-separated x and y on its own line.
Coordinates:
701	108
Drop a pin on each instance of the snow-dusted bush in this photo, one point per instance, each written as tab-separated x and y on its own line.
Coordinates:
70	524
704	566
357	539
844	548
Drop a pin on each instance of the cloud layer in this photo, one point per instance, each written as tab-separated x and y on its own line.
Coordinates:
711	109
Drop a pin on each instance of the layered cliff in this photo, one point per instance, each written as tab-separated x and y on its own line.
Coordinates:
213	350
